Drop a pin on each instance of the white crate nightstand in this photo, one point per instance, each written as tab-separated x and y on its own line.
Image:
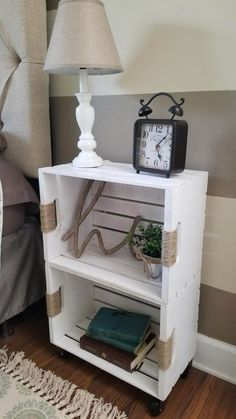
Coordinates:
78	287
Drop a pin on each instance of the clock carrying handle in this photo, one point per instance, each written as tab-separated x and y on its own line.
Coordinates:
175	109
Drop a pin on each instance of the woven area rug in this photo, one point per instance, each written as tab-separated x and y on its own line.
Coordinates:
29	392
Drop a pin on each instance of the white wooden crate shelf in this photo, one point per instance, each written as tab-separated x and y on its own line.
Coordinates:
123	173
66	328
120	271
145	378
95	280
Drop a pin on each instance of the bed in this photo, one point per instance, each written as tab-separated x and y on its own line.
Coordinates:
24	147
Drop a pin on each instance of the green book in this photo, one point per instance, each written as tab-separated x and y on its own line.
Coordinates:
117	324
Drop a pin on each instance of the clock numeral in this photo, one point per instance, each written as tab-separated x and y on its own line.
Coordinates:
145	134
150	128
155	163
165	165
159	128
143	143
143	154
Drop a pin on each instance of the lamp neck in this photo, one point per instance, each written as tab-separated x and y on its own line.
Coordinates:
83	80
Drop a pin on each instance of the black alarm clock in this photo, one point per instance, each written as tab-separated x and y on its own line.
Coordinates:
160	144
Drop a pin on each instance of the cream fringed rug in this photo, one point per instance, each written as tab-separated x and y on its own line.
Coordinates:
29	392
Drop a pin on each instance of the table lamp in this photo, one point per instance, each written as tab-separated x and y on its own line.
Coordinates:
82	43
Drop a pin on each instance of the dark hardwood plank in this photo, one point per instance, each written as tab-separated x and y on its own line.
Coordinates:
199	396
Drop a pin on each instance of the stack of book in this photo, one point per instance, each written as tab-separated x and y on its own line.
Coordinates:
120	337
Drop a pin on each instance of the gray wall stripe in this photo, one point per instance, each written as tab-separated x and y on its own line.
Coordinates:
217	314
52	4
211	147
211	139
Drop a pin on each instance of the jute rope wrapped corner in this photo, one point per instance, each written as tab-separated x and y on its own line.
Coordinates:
168	254
53	302
169	248
165	350
48	217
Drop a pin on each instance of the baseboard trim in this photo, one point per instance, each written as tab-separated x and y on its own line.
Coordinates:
216	358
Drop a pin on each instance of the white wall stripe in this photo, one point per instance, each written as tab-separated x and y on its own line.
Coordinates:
216	358
161	45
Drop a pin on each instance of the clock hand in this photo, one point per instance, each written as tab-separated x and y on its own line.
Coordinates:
161	140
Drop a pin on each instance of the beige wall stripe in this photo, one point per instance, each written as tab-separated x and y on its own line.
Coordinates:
219	250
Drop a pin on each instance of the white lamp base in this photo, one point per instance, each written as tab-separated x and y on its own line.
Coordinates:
85	117
87	159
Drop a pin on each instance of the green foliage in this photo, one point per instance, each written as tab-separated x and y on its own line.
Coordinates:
148	239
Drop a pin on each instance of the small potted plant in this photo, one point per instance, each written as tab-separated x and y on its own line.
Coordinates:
147	242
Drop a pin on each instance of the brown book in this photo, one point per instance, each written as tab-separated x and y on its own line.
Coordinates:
117	356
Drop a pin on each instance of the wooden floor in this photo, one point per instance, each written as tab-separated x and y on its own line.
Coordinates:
198	396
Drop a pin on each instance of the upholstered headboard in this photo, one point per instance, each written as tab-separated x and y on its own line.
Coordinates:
24	101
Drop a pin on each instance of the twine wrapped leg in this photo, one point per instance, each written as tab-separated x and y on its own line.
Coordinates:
54	303
48	217
169	248
165	350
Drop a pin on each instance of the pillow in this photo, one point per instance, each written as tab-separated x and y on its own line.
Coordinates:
17	194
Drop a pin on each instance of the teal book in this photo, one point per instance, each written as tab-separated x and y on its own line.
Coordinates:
125	345
121	325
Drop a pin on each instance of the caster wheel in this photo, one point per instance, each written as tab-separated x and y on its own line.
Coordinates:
63	354
186	371
6	329
156	407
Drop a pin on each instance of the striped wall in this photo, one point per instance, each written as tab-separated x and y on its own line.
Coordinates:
204	73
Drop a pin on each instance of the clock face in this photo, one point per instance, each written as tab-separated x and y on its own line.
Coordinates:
155	144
